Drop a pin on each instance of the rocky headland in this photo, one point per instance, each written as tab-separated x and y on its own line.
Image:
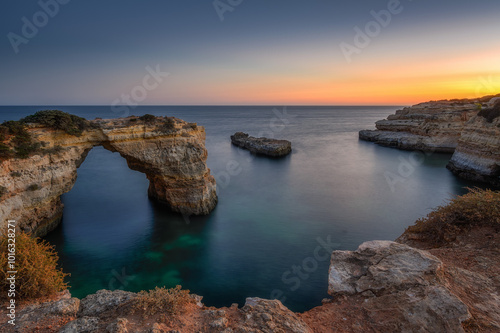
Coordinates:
169	151
263	146
461	127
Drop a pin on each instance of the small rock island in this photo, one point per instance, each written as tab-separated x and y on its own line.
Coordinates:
263	146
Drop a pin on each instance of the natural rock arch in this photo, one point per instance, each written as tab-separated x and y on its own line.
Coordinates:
173	159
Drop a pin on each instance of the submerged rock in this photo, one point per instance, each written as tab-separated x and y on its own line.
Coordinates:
264	146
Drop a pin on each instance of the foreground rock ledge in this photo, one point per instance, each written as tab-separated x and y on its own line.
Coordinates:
401	286
383	286
263	146
173	159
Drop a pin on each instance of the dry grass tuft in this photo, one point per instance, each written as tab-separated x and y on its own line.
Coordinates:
476	208
36	263
161	300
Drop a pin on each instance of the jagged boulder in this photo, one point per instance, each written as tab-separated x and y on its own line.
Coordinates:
402	286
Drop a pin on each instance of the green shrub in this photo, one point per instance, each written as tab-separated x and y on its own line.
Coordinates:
15	174
5	152
147	118
13	127
24	150
492	113
54	150
60	120
3	191
190	126
168	125
476	208
33	187
21	141
36	265
161	300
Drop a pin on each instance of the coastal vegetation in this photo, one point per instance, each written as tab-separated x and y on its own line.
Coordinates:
16	141
3	191
168	125
478	208
161	300
38	274
147	118
59	120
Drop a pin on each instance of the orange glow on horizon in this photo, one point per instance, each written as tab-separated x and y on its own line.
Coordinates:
375	80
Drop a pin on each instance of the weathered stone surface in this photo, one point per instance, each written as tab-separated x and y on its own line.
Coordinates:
261	315
401	280
410	141
477	156
104	300
430	126
174	162
81	325
264	146
452	126
62	309
118	326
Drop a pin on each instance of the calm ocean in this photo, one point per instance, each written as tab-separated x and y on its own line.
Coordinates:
275	217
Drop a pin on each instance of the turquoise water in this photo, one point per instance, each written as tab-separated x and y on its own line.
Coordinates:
276	218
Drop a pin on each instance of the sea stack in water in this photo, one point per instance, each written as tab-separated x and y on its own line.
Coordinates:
264	146
169	151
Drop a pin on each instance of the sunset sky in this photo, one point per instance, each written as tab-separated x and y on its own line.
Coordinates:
282	52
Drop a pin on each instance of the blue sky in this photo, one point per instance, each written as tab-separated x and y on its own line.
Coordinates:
263	52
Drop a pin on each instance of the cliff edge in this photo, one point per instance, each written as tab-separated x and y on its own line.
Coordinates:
477	156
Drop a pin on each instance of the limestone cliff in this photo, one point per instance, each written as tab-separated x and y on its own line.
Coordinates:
477	156
451	126
169	151
431	126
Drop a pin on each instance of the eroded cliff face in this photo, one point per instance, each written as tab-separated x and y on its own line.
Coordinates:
477	156
173	158
453	126
431	126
